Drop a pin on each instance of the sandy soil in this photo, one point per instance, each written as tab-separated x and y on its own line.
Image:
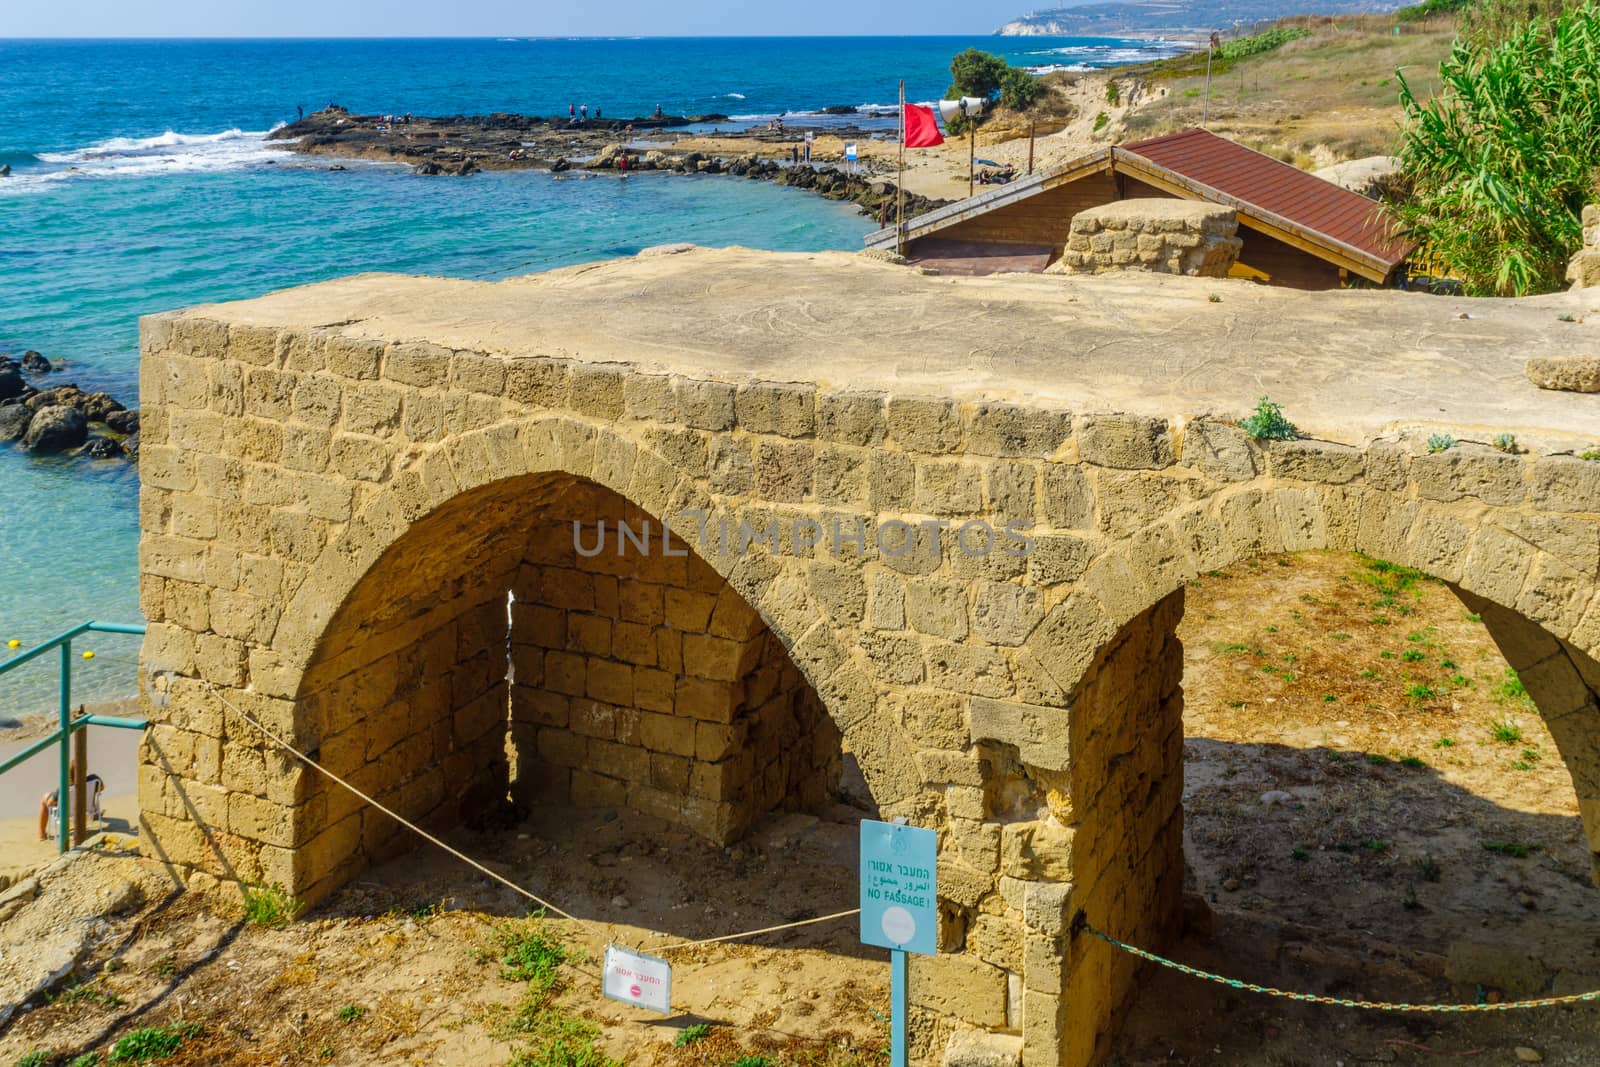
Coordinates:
1346	848
113	755
1365	872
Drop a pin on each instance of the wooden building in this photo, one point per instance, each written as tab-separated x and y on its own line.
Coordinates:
1298	230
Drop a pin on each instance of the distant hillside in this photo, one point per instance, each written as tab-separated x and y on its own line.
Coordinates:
1176	16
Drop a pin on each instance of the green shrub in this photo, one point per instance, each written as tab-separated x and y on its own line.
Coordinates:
1019	89
35	1059
1113	93
152	1043
976	73
269	905
1256	43
1502	158
1430	8
1440	442
1267	423
690	1034
1100	120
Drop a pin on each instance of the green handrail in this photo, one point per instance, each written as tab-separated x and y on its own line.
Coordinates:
62	735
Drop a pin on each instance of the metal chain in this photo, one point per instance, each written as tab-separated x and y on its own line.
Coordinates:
1339	1002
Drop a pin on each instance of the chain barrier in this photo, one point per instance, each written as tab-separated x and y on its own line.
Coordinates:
1080	924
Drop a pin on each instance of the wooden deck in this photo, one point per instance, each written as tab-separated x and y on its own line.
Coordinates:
974	259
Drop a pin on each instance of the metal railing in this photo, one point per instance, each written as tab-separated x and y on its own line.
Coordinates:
68	726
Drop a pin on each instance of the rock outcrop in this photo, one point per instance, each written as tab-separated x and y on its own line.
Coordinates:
55	428
1570	374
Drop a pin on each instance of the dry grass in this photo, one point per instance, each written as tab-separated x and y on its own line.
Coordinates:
1313	101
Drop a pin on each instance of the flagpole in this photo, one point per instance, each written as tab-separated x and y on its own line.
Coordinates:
900	180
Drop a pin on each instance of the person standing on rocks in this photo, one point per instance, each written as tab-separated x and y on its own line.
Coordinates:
583	111
301	112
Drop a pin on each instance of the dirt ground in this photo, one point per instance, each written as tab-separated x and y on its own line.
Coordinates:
1339	845
1372	808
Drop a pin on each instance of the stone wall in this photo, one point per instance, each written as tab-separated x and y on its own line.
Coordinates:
331	522
643	680
1165	235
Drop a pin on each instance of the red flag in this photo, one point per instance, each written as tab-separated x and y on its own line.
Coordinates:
922	130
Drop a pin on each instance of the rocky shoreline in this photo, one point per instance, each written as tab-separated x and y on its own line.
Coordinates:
50	420
461	145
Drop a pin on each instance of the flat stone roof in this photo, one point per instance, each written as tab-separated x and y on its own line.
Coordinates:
1346	365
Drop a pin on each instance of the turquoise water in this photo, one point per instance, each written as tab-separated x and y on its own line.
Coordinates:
141	183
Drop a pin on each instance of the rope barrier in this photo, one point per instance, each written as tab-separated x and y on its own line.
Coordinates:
463	857
1080	923
763	930
402	820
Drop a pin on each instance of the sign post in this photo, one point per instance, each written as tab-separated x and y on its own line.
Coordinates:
637	979
850	156
899	907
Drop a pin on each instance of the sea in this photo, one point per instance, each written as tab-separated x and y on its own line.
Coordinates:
142	181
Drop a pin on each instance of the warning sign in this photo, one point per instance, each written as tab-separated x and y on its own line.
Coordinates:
637	979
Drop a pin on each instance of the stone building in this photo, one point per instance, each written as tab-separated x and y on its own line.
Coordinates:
943	524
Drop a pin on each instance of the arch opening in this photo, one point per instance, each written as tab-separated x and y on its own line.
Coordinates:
1373	766
540	641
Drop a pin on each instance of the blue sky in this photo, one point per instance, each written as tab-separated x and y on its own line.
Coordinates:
490	18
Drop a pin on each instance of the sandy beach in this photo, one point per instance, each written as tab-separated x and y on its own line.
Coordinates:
113	755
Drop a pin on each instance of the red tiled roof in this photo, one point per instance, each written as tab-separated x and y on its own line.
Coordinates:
1270	185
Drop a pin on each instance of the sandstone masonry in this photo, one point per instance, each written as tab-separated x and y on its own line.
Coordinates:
365	542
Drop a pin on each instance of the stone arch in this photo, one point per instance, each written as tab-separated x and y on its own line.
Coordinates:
418	584
1111	646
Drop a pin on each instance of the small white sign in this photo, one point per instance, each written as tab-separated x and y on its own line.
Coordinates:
637	979
850	151
810	136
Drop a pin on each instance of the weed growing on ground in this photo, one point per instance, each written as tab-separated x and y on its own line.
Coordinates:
1414	762
350	1013
1411	655
269	905
1589	455
1440	442
84	994
1518	849
35	1059
690	1034
1428	868
554	1038
762	1061
1419	692
152	1043
1267	423
1445	742
1505	442
1377	759
1505	731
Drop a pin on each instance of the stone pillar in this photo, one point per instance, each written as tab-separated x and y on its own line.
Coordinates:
1562	680
1126	842
1583	270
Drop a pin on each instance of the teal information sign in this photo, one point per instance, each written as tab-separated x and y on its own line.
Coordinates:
899	875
